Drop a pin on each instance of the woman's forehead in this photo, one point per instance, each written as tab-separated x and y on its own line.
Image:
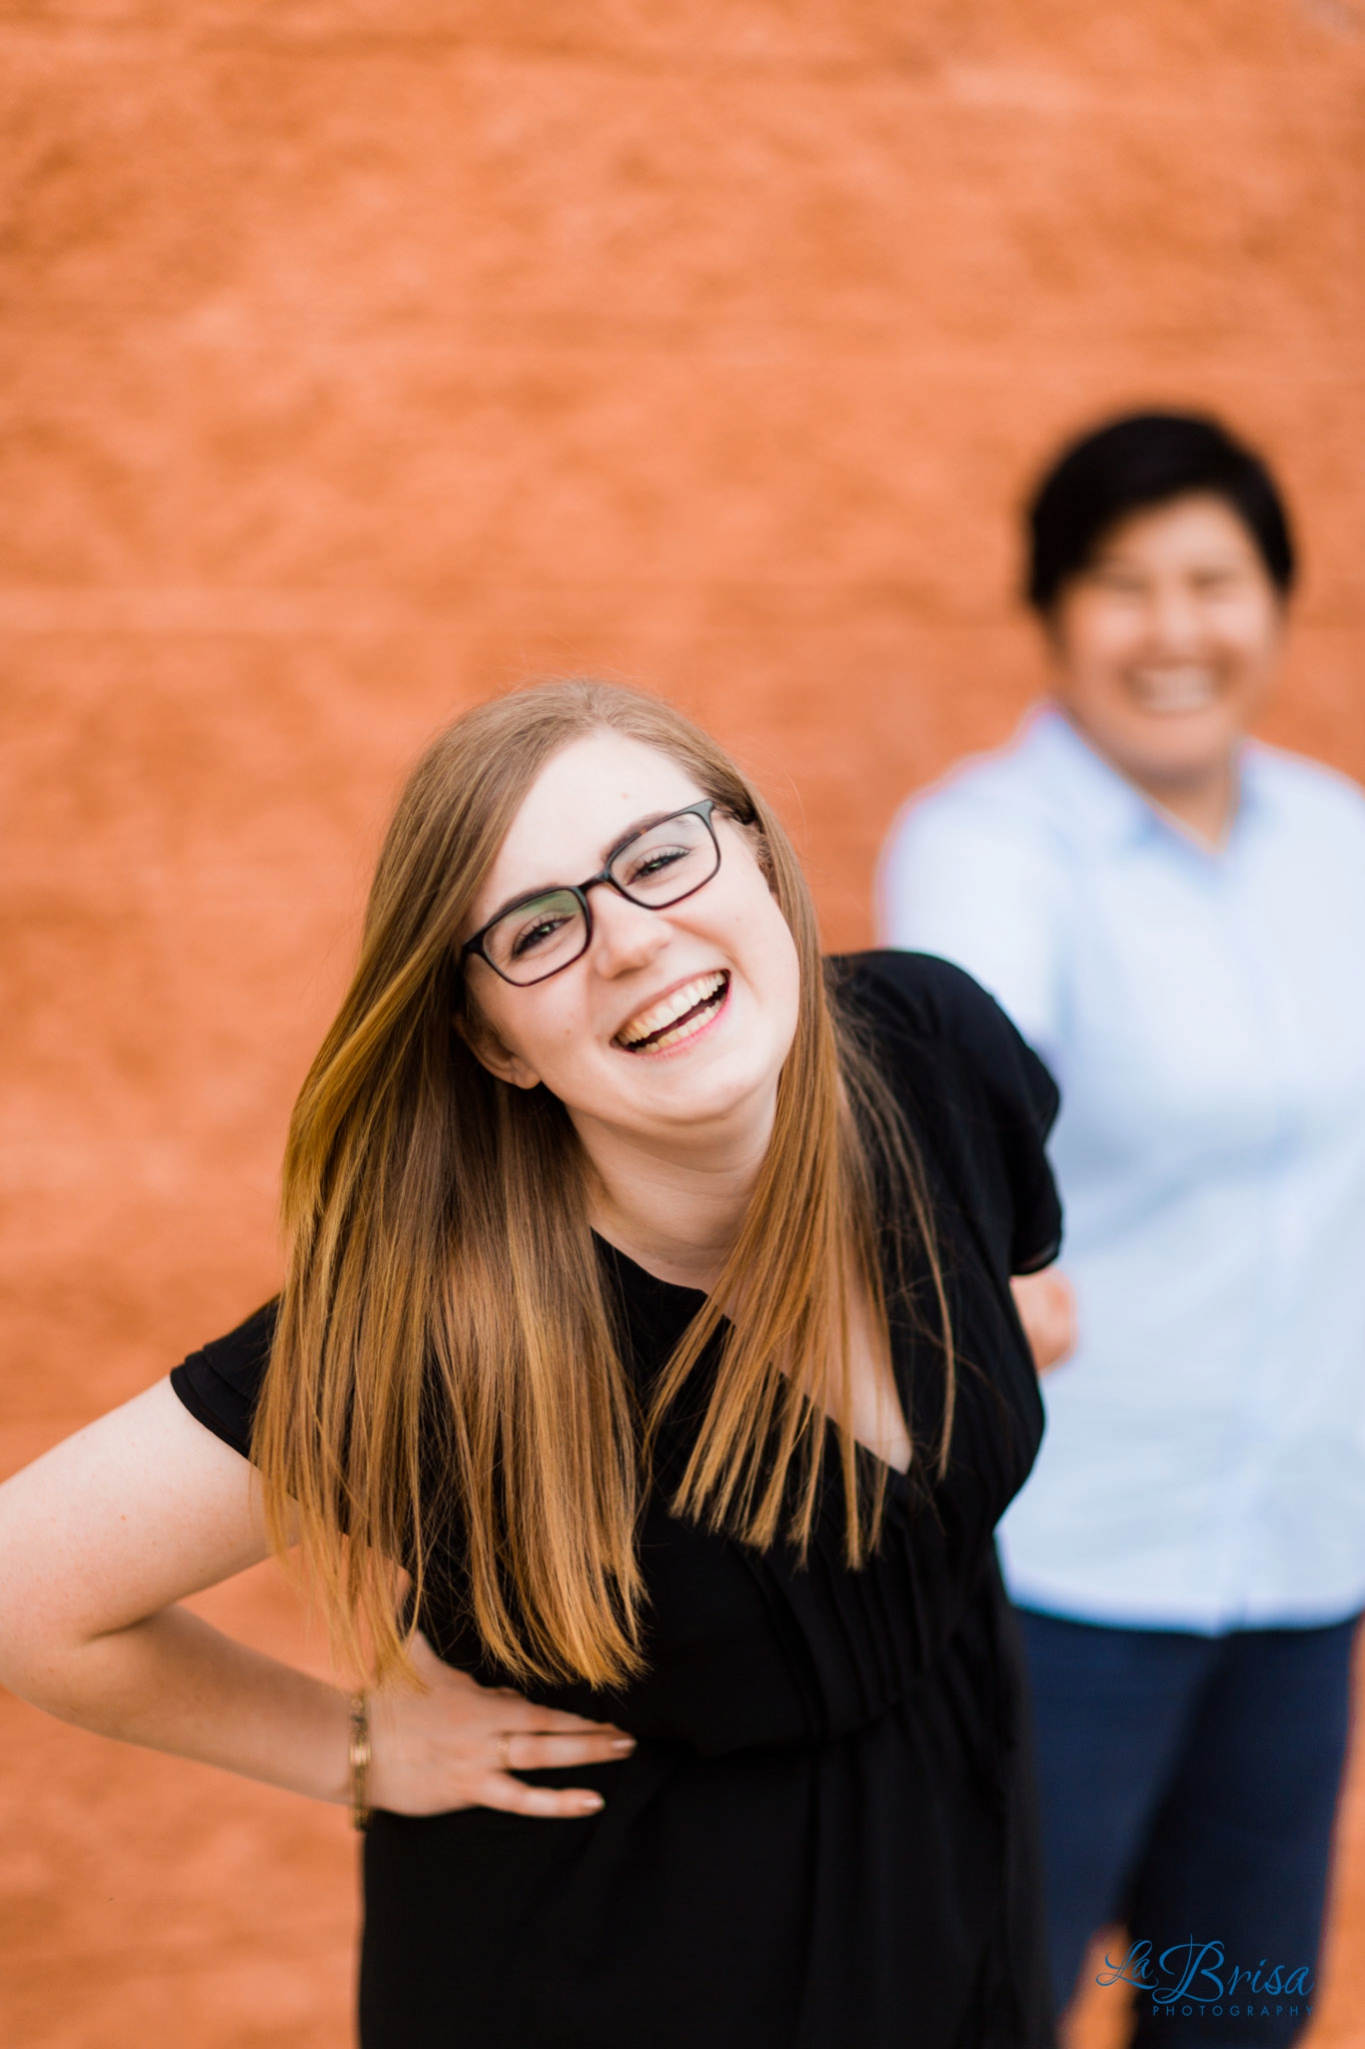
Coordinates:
1196	523
579	806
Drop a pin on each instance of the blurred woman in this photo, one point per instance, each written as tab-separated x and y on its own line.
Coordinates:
1174	916
611	1395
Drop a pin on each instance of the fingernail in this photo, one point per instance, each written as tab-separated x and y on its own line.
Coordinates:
590	1802
623	1743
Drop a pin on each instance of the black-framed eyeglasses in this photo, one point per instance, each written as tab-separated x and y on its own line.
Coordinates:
659	865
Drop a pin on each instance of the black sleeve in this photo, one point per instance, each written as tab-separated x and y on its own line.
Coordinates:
221	1384
977	1092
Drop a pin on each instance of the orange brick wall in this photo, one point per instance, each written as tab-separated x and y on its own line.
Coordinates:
357	360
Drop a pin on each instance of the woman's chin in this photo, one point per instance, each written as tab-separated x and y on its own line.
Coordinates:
1174	753
705	1093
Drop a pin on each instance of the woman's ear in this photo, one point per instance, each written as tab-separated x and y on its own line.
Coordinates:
490	1052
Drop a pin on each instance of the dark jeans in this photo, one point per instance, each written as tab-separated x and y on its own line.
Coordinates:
1188	1790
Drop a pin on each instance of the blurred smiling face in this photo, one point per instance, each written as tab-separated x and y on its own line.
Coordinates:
675	1019
1167	642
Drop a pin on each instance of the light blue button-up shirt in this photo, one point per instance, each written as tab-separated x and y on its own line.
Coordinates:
1204	1014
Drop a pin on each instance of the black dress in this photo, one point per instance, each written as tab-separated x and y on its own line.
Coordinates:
824	1838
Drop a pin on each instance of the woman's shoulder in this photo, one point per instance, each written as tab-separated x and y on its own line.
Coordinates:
220	1384
977	1094
917	1000
929	995
1309	795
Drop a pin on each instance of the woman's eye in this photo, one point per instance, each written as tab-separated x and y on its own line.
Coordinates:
536	934
655	861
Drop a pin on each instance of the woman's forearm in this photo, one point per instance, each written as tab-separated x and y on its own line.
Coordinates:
174	1683
101	1541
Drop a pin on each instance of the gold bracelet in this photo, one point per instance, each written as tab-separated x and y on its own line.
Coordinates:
360	1760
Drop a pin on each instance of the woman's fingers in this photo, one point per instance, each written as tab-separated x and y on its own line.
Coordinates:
533	1751
1047	1310
459	1744
501	1706
512	1712
540	1803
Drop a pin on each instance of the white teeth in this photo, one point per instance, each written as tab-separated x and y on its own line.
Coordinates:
646	1023
1188	688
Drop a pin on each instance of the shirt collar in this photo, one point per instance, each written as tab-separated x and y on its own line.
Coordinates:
1101	806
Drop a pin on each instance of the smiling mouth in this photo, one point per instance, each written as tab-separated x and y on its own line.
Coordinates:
1190	687
675	1017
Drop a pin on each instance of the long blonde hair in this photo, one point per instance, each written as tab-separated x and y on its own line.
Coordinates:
444	1344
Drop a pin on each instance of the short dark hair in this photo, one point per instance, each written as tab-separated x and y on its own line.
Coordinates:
1140	460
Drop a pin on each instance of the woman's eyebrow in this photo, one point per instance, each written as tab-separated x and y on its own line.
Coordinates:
641	825
623	839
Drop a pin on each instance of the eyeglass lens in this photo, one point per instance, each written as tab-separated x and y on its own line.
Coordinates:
658	867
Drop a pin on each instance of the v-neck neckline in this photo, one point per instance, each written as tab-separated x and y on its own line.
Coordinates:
639	1278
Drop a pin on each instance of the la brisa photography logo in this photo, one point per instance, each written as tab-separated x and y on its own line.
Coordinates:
1194	1977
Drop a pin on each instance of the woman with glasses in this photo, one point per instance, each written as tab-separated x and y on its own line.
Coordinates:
642	1393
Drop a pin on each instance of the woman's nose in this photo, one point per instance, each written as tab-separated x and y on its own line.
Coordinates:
1175	621
625	935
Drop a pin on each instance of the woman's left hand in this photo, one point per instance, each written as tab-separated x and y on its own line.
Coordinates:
1046	1304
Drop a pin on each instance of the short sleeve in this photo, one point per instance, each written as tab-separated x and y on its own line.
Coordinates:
977	1092
220	1385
